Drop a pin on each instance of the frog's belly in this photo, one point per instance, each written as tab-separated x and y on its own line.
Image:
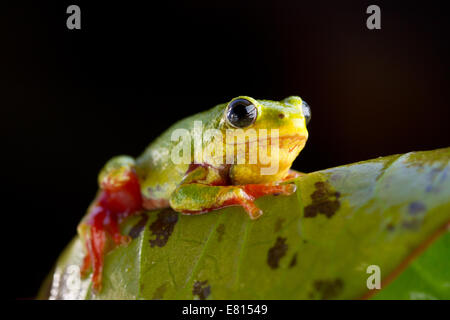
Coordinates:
251	174
275	171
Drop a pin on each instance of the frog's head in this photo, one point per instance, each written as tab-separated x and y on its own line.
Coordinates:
289	116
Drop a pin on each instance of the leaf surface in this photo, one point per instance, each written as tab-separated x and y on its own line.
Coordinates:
315	244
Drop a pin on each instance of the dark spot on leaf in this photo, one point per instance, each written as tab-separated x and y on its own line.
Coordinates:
279	224
390	227
336	177
277	252
281	115
201	289
159	292
416	207
411	224
433	181
328	289
293	261
324	201
221	231
436	179
138	227
163	227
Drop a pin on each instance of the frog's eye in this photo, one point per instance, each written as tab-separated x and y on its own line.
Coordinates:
241	113
306	110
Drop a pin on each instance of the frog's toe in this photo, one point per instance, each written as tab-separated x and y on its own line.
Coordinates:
288	189
86	266
253	211
120	239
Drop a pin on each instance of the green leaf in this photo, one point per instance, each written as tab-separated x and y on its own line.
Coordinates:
427	278
315	244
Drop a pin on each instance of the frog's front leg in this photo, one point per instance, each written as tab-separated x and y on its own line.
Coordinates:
119	197
204	189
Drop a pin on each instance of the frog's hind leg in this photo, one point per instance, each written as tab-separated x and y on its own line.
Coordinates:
97	251
118	198
94	241
86	264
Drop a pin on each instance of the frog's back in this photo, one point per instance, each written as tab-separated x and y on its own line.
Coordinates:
158	174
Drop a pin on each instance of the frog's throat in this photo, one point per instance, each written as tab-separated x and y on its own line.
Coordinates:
284	141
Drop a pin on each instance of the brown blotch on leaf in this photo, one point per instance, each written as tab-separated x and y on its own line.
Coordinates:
390	227
434	181
412	224
416	207
293	261
201	289
281	115
163	227
138	227
279	224
328	289
159	292
324	201
221	231
277	252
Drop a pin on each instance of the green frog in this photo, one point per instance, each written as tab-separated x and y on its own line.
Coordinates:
193	174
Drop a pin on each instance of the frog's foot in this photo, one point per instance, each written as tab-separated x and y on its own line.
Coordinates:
96	247
255	191
119	197
86	265
259	190
291	176
239	196
102	228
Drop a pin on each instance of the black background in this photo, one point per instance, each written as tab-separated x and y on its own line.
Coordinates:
75	98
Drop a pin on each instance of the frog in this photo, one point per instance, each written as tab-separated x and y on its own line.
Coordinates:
154	180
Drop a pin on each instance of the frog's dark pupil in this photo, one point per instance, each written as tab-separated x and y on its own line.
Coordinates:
241	113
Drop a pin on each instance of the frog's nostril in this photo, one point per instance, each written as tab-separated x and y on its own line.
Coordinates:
281	115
